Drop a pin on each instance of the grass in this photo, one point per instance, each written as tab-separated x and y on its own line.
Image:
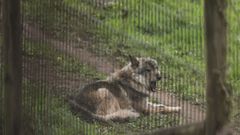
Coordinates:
168	37
65	63
169	31
50	114
56	117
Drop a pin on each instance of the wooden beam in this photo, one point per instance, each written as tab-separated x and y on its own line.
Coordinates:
12	65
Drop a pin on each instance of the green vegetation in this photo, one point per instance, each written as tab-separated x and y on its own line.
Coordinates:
35	49
47	113
44	112
167	30
56	117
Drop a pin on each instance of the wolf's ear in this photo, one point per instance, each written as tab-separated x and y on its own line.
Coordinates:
134	61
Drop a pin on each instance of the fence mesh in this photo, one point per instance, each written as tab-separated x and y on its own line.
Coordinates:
68	44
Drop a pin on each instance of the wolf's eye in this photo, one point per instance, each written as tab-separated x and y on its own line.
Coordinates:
144	71
147	70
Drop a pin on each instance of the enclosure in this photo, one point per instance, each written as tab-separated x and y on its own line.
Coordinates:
67	44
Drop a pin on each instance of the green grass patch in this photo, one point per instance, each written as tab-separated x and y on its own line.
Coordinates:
64	63
45	113
169	31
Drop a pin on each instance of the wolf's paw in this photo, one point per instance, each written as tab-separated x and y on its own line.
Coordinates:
177	109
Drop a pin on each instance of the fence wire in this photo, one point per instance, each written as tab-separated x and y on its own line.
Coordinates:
68	44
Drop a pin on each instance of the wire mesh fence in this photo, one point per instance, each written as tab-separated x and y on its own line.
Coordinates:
68	44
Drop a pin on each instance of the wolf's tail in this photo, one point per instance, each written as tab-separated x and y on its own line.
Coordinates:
119	115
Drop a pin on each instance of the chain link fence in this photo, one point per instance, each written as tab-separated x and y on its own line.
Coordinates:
70	43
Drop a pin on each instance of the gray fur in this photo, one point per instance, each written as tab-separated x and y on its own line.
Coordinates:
124	94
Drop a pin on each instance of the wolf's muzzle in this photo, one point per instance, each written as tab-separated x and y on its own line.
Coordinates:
153	86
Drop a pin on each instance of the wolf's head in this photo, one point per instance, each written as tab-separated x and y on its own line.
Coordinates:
145	72
141	74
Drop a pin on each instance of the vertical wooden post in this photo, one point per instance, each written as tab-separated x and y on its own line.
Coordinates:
218	94
0	10
12	65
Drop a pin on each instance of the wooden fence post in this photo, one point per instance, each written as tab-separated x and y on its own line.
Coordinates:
12	65
218	93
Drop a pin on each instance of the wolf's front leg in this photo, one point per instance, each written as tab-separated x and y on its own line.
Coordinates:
150	108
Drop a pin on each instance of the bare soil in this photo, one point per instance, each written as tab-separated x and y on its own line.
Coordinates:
190	113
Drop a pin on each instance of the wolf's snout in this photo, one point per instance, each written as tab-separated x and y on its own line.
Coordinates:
159	77
153	85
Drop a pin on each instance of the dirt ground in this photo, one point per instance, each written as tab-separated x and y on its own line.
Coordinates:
190	112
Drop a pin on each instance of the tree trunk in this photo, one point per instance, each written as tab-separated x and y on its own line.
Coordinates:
12	65
218	93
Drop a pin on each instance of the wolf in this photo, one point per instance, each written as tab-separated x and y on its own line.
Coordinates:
124	94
